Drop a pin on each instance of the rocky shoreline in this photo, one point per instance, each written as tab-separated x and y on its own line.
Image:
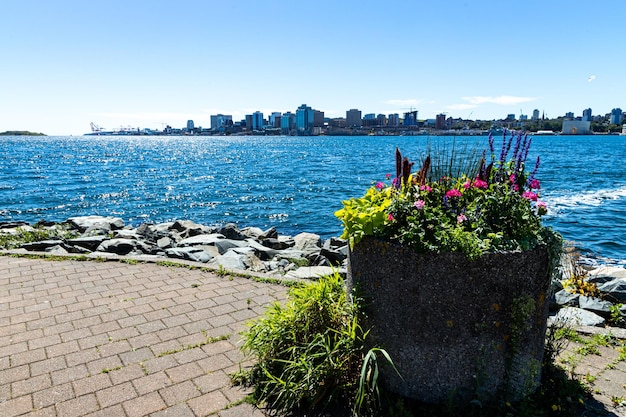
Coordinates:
256	251
251	249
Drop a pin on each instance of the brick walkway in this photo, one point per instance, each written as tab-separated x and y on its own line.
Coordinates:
113	339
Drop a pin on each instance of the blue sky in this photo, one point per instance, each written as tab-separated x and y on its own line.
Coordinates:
145	63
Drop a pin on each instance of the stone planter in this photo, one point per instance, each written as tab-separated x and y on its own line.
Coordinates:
455	329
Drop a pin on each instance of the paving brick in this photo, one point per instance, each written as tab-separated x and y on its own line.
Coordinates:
62	349
208	403
116	394
91	384
215	363
27	357
113	411
179	410
69	374
114	348
82	356
127	373
212	382
159	364
53	395
144	405
16	406
77	406
30	385
151	383
183	372
144	340
179	393
104	364
14	348
47	366
16	374
134	356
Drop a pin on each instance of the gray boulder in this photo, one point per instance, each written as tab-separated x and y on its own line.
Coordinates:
307	241
230	260
614	290
187	228
594	304
88	242
41	246
204	239
190	253
85	222
224	245
310	272
118	246
231	231
578	317
566	298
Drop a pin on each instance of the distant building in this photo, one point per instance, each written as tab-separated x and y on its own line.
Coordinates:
190	125
440	121
369	120
586	115
275	119
535	114
220	122
410	118
337	122
616	116
569	115
353	118
258	122
287	123
318	118
381	120
393	119
305	118
576	127
510	117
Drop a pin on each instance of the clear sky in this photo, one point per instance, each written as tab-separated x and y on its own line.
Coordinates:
146	63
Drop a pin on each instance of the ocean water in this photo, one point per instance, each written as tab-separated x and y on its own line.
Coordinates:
292	183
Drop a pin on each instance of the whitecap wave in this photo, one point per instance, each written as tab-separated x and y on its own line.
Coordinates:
585	199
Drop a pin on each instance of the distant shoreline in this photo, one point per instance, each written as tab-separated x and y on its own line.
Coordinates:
21	133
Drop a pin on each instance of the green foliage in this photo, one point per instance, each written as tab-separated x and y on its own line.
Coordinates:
28	235
307	353
477	209
616	317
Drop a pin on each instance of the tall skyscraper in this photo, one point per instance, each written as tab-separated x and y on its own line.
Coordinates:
394	119
353	118
221	121
190	125
616	116
287	123
535	114
258	123
305	119
586	115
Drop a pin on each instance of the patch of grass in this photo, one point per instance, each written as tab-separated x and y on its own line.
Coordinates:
107	370
207	341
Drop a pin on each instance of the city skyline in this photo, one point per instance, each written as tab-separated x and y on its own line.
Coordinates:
152	63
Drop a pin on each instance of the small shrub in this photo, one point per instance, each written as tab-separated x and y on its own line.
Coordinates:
308	354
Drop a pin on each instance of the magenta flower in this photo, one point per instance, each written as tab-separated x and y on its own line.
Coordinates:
528	195
388	176
426	188
534	184
419	204
478	183
467	185
461	218
453	193
390	217
380	185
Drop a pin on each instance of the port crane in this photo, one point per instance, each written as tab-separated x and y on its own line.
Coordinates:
95	127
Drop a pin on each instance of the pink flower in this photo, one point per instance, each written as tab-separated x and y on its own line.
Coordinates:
453	193
467	185
419	204
461	218
542	208
388	176
512	178
380	185
534	184
478	183
390	217
426	188
530	196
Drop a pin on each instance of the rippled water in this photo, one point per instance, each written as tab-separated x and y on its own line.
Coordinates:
293	183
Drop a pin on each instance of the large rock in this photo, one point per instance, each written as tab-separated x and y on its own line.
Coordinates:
566	298
307	241
190	253
594	304
88	242
231	260
118	246
224	245
85	222
614	290
310	272
205	239
573	316
187	228
231	231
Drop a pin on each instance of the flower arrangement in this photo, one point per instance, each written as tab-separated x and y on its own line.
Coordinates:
486	208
